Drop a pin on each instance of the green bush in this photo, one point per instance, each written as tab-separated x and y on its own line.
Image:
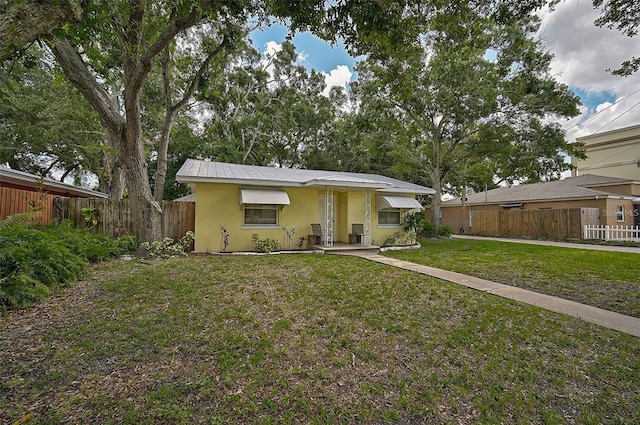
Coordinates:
265	245
167	247
401	239
430	231
34	259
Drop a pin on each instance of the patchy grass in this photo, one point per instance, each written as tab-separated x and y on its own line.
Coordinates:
609	280
305	339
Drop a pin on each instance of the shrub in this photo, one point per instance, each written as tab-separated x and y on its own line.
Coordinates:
266	245
167	247
430	231
34	259
413	221
401	239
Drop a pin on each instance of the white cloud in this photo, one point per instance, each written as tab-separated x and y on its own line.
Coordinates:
340	76
610	116
271	48
583	54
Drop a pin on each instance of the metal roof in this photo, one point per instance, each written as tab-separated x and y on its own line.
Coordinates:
198	171
27	180
572	188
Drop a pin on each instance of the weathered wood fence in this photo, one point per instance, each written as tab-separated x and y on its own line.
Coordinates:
114	216
566	223
15	201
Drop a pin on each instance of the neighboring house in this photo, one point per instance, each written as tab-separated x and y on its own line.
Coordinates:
30	182
613	153
248	200
617	200
24	192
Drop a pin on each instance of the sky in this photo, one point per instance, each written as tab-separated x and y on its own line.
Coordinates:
582	54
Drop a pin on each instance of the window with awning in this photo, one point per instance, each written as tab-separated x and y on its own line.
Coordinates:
386	202
263	197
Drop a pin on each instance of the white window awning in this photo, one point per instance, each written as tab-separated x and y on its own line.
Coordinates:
386	202
264	197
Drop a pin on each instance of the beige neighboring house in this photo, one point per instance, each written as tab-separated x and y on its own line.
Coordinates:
617	200
614	153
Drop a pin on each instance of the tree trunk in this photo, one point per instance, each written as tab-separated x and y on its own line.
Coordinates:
116	188
436	200
22	22
163	149
146	212
436	177
124	134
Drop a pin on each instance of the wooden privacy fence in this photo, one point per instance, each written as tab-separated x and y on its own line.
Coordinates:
15	201
612	233
114	216
556	224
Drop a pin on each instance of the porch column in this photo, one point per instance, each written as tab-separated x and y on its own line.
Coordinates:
328	205
367	218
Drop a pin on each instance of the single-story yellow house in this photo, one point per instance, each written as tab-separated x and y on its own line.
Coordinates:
234	202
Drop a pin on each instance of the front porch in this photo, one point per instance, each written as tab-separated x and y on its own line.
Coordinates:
341	247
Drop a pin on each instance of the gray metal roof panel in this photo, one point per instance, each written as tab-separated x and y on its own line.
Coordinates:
201	171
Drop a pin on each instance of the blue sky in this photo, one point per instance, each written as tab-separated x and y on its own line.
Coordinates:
319	54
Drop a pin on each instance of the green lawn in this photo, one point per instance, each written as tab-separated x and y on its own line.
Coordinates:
609	280
305	339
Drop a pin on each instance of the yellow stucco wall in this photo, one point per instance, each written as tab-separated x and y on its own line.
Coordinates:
219	205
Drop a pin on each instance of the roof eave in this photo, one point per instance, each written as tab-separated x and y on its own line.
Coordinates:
413	191
12	177
339	183
529	201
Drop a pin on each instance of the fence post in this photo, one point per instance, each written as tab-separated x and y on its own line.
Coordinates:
606	233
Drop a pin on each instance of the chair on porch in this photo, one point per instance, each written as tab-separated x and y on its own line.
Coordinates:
315	238
357	232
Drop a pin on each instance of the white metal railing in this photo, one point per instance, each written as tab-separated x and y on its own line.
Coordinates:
612	233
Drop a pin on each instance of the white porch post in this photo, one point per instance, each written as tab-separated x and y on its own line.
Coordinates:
367	218
328	204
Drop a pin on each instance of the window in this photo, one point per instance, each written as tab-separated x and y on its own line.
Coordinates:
620	213
389	217
260	215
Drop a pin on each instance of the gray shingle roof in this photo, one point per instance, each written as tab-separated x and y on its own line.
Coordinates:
194	171
575	187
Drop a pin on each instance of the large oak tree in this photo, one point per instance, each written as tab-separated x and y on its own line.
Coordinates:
473	89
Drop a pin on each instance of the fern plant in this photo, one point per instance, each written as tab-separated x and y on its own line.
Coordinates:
36	259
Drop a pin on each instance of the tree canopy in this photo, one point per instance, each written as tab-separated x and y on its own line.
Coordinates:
451	93
623	15
474	93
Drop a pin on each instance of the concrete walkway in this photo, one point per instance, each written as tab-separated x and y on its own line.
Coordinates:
610	248
606	318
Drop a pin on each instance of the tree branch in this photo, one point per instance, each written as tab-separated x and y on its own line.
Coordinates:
22	22
195	81
79	75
